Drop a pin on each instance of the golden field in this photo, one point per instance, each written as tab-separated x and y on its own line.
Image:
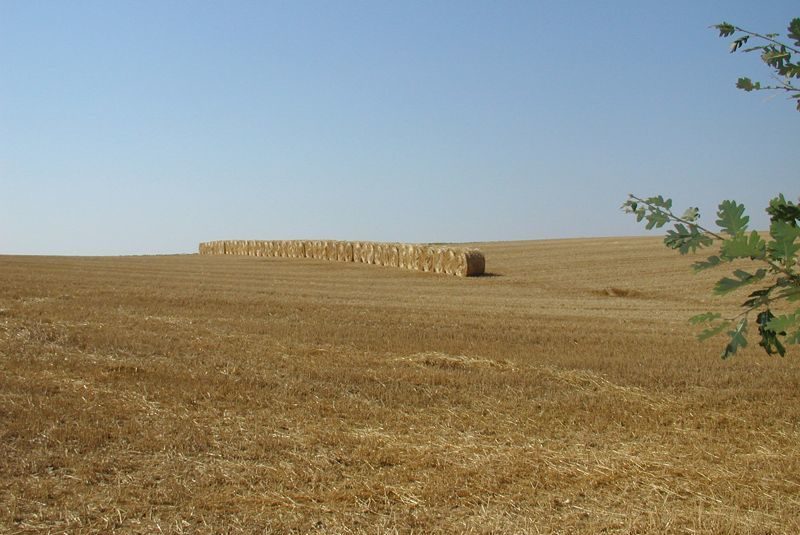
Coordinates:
562	393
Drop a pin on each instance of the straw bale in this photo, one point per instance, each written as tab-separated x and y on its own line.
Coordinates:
348	252
422	258
369	253
406	252
356	251
392	255
450	260
438	259
364	252
379	252
308	249
475	264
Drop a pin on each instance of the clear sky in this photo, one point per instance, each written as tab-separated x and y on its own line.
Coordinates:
148	126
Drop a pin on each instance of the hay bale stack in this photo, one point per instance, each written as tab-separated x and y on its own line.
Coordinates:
450	260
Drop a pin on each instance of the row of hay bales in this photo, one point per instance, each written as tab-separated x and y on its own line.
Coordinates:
421	257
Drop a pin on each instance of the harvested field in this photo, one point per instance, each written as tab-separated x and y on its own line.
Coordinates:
561	393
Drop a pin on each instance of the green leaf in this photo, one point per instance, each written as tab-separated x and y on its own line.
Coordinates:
769	337
686	239
705	317
758	298
790	70
656	219
783	248
713	331
794	31
725	29
780	209
743	278
731	217
738	339
691	214
737	43
785	322
793	338
791	293
744	246
710	262
660	202
775	57
747	84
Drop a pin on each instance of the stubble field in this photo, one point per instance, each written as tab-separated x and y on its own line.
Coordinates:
563	393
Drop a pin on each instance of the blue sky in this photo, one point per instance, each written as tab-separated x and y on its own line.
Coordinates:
149	126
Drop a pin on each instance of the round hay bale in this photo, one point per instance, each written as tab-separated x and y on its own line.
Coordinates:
451	260
475	264
427	257
438	259
348	252
380	254
392	255
402	254
308	249
369	257
364	252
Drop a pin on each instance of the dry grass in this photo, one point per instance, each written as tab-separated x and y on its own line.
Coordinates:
563	394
